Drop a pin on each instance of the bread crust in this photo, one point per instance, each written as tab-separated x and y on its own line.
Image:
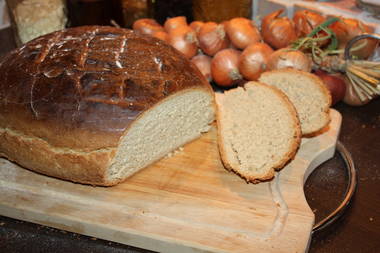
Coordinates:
319	83
80	166
67	98
287	157
69	82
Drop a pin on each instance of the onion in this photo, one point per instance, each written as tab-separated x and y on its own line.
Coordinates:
174	23
278	32
288	58
225	23
224	67
147	26
305	21
348	28
184	40
162	35
335	83
352	98
212	38
203	63
242	32
196	26
254	59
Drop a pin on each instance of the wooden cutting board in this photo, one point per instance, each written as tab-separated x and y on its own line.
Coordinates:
184	203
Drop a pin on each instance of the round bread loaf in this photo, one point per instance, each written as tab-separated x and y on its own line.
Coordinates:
95	104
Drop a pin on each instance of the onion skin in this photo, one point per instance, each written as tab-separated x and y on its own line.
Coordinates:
212	38
184	40
174	23
305	21
334	83
147	26
242	32
224	67
162	35
196	26
288	58
278	32
348	28
203	63
254	60
351	97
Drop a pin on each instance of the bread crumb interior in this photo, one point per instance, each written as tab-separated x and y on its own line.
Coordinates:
176	121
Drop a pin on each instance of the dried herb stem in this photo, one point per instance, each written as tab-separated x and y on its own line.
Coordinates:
370	80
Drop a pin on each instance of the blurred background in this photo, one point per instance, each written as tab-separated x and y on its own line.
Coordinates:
32	18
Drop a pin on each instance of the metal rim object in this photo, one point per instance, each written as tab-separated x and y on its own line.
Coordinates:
347	55
350	190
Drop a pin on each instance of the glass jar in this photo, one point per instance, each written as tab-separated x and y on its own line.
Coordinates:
33	18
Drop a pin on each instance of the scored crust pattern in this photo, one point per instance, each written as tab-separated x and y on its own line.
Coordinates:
68	74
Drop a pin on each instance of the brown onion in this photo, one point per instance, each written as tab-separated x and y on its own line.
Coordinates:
174	23
351	97
196	26
277	31
184	40
224	67
348	28
203	63
305	21
242	32
254	59
335	83
147	26
212	38
225	23
162	35
288	58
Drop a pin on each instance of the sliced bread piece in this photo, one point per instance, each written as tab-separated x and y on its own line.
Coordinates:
258	130
307	92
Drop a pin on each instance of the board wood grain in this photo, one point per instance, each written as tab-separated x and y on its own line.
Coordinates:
185	203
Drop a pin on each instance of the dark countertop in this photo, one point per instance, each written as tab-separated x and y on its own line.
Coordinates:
357	231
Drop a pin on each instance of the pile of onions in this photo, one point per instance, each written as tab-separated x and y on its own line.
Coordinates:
254	60
212	38
184	39
348	28
242	32
277	31
203	63
235	51
147	26
288	58
224	67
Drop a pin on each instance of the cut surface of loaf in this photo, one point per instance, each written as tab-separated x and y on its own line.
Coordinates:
258	130
307	92
96	104
166	127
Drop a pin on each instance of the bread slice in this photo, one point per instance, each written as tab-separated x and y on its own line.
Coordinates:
258	130
307	92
